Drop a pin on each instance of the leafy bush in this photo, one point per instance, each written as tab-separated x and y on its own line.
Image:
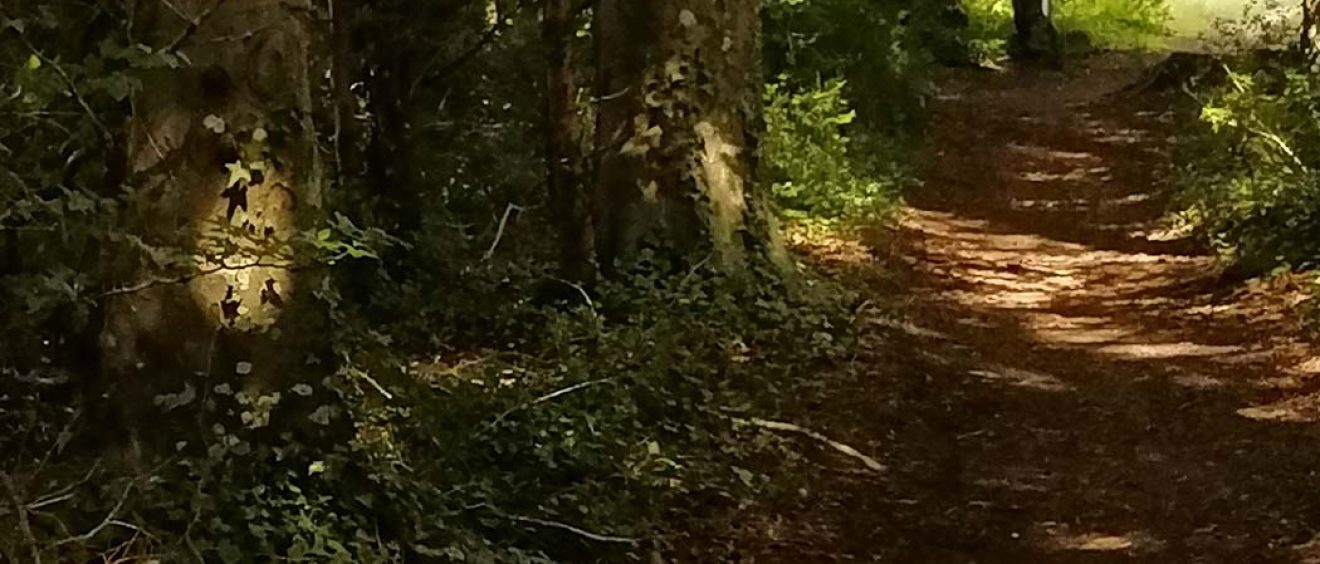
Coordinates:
609	430
849	94
812	170
1249	158
1250	181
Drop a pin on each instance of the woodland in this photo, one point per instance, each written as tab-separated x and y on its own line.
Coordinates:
659	281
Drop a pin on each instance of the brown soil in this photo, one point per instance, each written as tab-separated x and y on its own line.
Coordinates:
1047	372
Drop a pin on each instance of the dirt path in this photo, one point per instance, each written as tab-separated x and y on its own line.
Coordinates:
1050	377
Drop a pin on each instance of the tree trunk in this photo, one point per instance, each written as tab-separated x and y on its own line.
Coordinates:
1035	37
569	204
677	133
224	160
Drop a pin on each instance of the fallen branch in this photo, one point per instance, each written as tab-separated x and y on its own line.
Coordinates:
586	297
564	527
499	233
545	398
867	461
110	519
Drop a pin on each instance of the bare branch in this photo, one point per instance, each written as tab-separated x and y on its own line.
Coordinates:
111	519
186	278
563	527
194	23
867	461
69	83
545	398
499	233
24	526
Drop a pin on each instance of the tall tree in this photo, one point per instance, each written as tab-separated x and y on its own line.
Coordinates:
223	157
570	205
679	120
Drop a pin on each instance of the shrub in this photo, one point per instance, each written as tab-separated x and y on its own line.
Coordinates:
812	169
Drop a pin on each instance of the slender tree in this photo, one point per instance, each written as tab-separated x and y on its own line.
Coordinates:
569	200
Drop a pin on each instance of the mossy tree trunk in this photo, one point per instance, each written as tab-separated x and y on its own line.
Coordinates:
678	124
225	168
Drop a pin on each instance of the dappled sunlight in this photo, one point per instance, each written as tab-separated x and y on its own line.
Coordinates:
1022	378
1301	409
1058	537
1088	385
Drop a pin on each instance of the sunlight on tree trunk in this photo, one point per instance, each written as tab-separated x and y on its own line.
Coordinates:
226	154
678	133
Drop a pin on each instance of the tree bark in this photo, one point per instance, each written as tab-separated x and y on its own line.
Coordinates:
1035	37
679	121
569	203
224	160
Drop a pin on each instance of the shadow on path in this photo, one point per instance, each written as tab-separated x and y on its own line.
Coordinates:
1052	376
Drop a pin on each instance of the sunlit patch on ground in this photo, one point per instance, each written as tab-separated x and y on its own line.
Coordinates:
1059	538
1301	409
1022	378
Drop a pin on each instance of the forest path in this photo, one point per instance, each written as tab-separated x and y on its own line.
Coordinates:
1048	375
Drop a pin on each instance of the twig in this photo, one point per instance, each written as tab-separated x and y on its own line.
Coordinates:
148	284
65	493
110	519
24	527
867	461
68	81
583	291
499	233
563	527
194	23
575	530
475	49
545	398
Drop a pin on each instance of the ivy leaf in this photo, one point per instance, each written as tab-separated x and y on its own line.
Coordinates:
214	123
687	18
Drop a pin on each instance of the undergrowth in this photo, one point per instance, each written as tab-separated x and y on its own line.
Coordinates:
1249	156
603	427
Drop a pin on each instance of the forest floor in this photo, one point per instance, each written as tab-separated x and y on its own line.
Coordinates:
1048	373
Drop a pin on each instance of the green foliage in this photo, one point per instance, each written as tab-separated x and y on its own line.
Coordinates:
1249	152
1106	24
848	98
468	404
614	413
1249	177
812	171
865	43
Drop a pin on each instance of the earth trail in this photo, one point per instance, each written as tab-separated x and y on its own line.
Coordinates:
1050	374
